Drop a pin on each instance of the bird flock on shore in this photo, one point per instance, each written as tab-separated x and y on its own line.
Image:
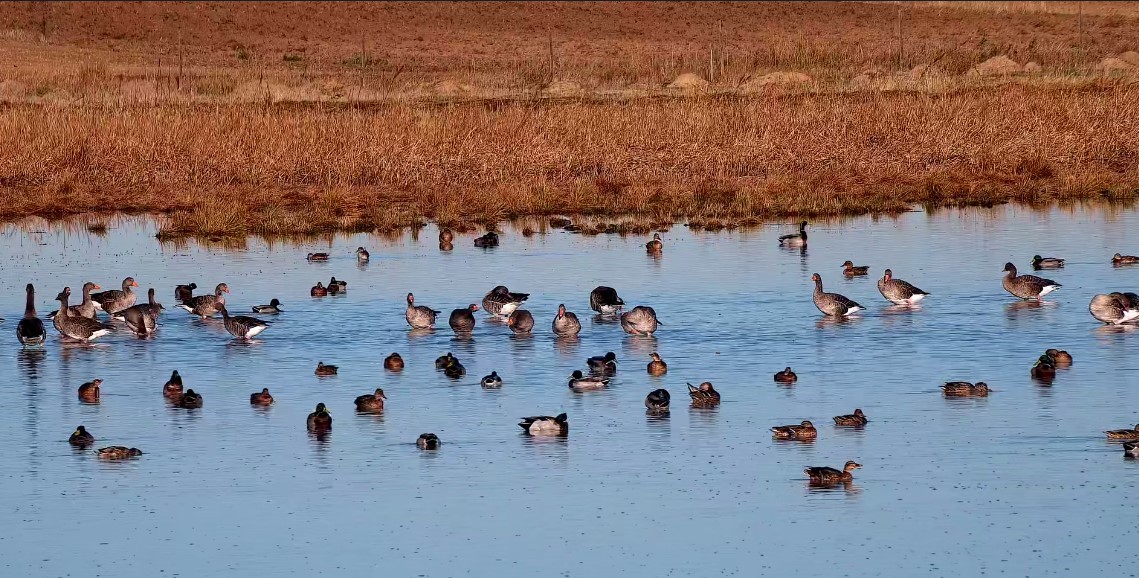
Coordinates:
81	323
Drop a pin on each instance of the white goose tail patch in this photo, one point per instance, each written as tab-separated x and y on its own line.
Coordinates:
1128	315
98	334
916	298
253	331
854	310
1048	289
186	307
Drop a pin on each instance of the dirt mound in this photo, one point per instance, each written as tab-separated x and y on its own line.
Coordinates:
562	88
996	66
449	88
1110	64
689	81
1130	57
1033	68
757	83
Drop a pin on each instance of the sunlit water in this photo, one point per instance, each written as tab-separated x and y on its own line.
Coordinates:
1022	483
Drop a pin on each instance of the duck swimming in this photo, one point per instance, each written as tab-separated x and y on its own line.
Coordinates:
1131	449
118	453
656	402
804	431
337	287
1059	357
786	376
605	301
261	398
657	366
855	419
1123	434
172	389
850	270
829	476
362	255
428	441
1039	262
704	396
603	364
655	245
325	370
795	239
446	236
89	392
81	438
1119	259
393	362
492	381
965	389
443	361
1027	286
419	316
272	308
320	420
490	239
544	425
455	370
316	257
190	400
1044	369
579	382
371	401
318	290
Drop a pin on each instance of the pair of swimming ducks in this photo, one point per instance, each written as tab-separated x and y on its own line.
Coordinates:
334	288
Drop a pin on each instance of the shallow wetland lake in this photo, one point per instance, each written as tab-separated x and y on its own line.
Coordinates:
1020	483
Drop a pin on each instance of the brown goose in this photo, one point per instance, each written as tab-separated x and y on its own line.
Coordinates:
605	301
77	328
463	320
1113	308
897	291
206	305
850	270
520	322
241	326
704	396
833	303
655	245
795	239
30	330
141	319
87	307
640	320
500	302
565	323
1027	286
184	293
804	431
419	316
829	476
114	300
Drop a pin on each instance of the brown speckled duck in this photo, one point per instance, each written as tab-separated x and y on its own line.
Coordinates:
320	420
1119	259
371	401
657	366
855	419
1060	357
655	245
325	370
850	270
704	396
393	362
172	389
965	389
828	476
262	397
118	453
1123	434
804	431
89	392
786	376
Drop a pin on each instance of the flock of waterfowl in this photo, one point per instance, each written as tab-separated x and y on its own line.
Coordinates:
81	323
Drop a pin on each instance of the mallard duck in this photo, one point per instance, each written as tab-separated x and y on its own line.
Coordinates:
657	366
118	453
520	321
77	328
455	370
89	392
897	291
1027	286
501	302
1131	449
371	401
86	308
1124	434
1039	262
1060	357
337	286
206	305
825	475
490	239
419	316
443	361
261	398
173	387
362	255
704	396
81	438
795	239
1114	308
804	431
565	323
850	270
190	400
655	245
605	301
317	257
272	308
1044	369
30	330
603	364
184	293
318	290
446	236
463	320
242	326
320	420
579	382
393	362
657	401
428	441
324	370
832	303
786	376
114	300
544	425
965	389
640	320
855	419
492	381
1119	259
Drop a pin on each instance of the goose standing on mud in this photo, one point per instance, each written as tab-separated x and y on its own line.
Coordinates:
1039	262
184	293
419	316
30	330
520	321
544	425
640	320
207	305
833	304
565	323
605	301
114	300
1114	308
899	292
141	319
1027	286
463	320
77	328
795	239
86	308
655	245
242	326
501	302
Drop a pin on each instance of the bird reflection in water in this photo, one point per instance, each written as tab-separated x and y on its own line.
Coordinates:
28	360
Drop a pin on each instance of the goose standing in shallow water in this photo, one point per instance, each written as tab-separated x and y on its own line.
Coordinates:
207	305
827	476
501	302
1114	308
565	323
273	308
795	239
520	321
373	402
579	382
242	326
77	328
965	389
419	316
142	319
655	245
1026	286
657	366
656	402
30	330
1119	259
393	362
86	308
786	376
1039	262
855	419
640	320
605	300
114	300
832	303
428	441
362	255
704	396
544	425
897	291
261	398
463	320
172	389
804	431
492	381
850	270
184	293
320	420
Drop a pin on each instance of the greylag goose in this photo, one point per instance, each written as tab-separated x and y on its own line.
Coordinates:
500	302
30	330
657	401
544	425
657	366
446	236
141	319
463	320
603	364
173	387
965	389
81	438
704	396
832	303
77	328
492	381
393	362
640	320
490	239
1039	262
320	420
579	382
854	419
655	245
804	431
241	326
272	308
786	376
1114	308
1027	286
190	400
428	441
565	323
850	270
419	316
114	300
87	307
184	293
261	398
520	322
371	401
362	255
605	301
830	476
316	257
795	239
206	305
1119	259
897	291
318	290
